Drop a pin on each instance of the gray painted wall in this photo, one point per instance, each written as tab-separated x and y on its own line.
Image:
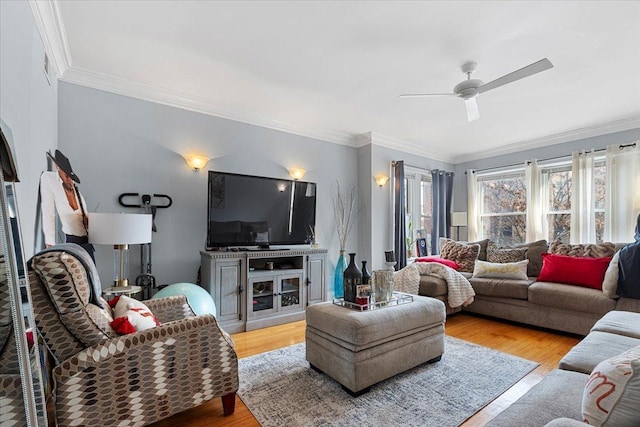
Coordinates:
549	152
119	144
381	202
28	106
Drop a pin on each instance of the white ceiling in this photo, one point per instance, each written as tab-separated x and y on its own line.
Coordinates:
333	70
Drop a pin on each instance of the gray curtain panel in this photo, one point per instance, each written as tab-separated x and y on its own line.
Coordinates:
442	184
399	214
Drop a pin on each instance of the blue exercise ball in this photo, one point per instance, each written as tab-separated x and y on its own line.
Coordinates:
199	299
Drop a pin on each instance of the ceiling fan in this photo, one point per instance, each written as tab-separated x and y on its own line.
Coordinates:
468	89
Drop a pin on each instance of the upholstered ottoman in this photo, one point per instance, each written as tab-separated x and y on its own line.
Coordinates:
361	348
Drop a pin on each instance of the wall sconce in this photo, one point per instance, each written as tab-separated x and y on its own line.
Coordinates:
196	162
381	180
281	187
297	173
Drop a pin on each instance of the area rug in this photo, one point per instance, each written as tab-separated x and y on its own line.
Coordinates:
280	389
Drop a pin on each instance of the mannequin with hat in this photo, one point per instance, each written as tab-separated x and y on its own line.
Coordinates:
59	194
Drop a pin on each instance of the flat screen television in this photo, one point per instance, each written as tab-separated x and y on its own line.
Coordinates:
249	211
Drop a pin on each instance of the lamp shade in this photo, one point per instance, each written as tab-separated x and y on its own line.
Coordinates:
119	228
458	219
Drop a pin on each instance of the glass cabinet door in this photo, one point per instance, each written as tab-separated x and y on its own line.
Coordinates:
262	294
291	291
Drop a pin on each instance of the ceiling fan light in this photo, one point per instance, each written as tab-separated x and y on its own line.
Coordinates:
473	112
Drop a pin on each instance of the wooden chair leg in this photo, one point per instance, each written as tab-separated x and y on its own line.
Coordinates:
229	403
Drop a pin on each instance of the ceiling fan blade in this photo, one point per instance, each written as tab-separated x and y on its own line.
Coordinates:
423	95
473	112
529	70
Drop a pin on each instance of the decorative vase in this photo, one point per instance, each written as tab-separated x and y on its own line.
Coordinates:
338	282
352	279
365	274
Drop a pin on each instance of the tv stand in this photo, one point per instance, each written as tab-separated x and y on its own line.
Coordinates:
257	288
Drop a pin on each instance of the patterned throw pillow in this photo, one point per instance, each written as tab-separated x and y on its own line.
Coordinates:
504	270
464	255
589	250
497	253
612	393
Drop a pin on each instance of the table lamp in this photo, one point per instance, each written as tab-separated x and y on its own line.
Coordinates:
119	230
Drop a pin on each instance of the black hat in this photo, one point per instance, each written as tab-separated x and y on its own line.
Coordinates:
64	164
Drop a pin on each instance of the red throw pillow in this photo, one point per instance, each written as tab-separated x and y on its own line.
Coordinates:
447	262
588	272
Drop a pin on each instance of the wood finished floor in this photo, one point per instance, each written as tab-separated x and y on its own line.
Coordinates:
542	346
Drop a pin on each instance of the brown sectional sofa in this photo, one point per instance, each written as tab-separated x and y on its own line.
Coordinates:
562	307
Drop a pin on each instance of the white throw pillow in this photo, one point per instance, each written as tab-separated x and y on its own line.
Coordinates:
502	270
612	393
131	315
610	282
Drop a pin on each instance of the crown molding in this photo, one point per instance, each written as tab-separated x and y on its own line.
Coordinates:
632	122
419	149
164	96
49	23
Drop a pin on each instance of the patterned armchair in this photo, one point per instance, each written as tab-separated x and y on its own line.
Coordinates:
101	378
11	404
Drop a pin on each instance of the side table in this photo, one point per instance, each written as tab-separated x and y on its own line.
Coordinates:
121	290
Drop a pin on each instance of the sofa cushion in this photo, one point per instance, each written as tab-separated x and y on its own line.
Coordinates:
501	270
497	253
589	250
503	288
612	393
432	286
534	255
593	349
570	297
619	322
610	281
482	255
628	304
465	255
559	394
574	270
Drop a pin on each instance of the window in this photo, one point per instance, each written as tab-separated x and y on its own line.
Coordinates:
557	189
503	208
419	208
557	184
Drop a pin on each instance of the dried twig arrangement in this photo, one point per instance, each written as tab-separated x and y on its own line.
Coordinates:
344	206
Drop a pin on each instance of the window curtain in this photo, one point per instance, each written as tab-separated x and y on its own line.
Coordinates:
622	199
399	215
583	217
442	185
473	211
535	222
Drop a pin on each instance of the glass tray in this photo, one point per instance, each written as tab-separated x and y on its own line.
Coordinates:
398	298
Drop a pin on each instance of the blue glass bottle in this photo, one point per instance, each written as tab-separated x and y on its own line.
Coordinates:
338	281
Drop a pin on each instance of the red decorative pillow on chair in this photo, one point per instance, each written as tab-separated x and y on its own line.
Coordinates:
588	272
449	263
131	315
